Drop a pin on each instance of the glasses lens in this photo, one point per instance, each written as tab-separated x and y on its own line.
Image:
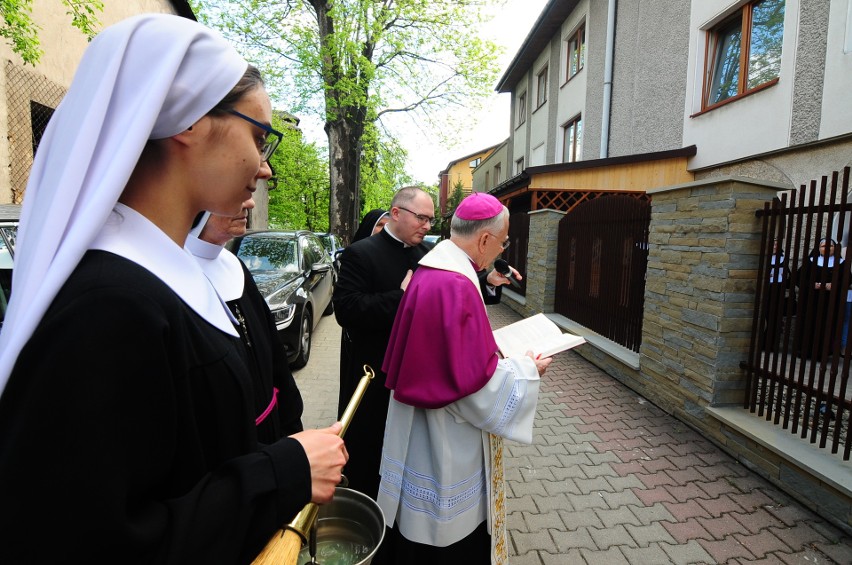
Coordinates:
269	147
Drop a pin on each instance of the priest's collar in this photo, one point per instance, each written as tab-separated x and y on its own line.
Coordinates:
390	233
131	235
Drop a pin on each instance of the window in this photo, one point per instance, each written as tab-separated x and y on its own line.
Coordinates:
497	174
487	181
519	166
572	140
475	163
576	52
744	52
541	92
522	108
39	116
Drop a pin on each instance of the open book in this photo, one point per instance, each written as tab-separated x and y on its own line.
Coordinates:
537	334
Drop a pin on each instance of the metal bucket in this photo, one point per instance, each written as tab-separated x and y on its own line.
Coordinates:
349	530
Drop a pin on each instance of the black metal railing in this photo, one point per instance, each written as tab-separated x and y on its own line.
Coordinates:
799	360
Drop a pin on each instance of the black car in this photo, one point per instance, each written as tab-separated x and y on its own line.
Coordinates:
332	246
9	216
295	276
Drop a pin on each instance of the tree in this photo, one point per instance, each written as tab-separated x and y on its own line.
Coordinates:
21	32
456	195
358	62
300	199
382	170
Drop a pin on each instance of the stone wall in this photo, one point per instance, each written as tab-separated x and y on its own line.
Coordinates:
704	241
699	293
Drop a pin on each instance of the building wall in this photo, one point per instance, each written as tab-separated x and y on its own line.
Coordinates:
498	156
47	82
836	117
648	76
755	124
539	121
571	95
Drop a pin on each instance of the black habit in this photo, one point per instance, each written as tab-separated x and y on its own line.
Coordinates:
128	433
267	360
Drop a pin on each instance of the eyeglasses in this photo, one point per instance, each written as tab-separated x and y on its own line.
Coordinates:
504	244
420	217
273	136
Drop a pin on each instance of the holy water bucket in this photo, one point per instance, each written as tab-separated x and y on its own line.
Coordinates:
349	530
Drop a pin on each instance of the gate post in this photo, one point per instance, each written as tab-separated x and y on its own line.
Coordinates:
541	261
704	245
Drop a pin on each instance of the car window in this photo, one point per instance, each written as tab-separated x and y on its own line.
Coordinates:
318	251
5	278
308	253
10	234
269	254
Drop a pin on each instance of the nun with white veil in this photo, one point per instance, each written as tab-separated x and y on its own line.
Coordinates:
127	413
279	402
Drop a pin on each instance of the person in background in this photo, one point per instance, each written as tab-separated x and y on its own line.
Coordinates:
374	272
776	304
127	410
819	305
453	401
278	402
371	224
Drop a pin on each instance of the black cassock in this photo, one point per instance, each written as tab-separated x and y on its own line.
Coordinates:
366	298
127	433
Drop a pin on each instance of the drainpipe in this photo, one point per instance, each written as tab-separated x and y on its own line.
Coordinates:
607	92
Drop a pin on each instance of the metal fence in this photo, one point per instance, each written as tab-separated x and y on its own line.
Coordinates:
799	358
31	100
600	270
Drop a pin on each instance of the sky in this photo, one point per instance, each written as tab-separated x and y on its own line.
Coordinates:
490	126
509	28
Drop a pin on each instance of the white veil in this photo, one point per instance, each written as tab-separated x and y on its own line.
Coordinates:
147	77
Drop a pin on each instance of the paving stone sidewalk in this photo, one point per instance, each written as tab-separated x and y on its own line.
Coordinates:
612	479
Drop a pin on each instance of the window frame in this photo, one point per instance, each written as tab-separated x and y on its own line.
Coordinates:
541	93
579	35
522	108
712	44
576	141
498	169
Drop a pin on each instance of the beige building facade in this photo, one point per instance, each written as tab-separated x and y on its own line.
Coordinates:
31	93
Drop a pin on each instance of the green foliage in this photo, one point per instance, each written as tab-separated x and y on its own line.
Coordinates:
300	199
456	195
360	62
382	169
21	32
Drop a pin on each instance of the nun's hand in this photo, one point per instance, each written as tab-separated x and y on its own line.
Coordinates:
327	455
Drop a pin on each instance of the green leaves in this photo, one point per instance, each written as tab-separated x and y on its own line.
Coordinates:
21	32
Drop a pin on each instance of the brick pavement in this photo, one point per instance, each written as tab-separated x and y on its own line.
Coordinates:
612	479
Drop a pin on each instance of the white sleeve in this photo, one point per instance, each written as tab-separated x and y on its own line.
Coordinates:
506	405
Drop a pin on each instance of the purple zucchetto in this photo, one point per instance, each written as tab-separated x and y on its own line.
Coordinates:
478	206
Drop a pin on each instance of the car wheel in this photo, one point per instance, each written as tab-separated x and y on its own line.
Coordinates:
329	310
304	342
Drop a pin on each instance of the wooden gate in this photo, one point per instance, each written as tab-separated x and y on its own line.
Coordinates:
600	270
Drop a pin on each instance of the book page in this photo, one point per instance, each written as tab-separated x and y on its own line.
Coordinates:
537	334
